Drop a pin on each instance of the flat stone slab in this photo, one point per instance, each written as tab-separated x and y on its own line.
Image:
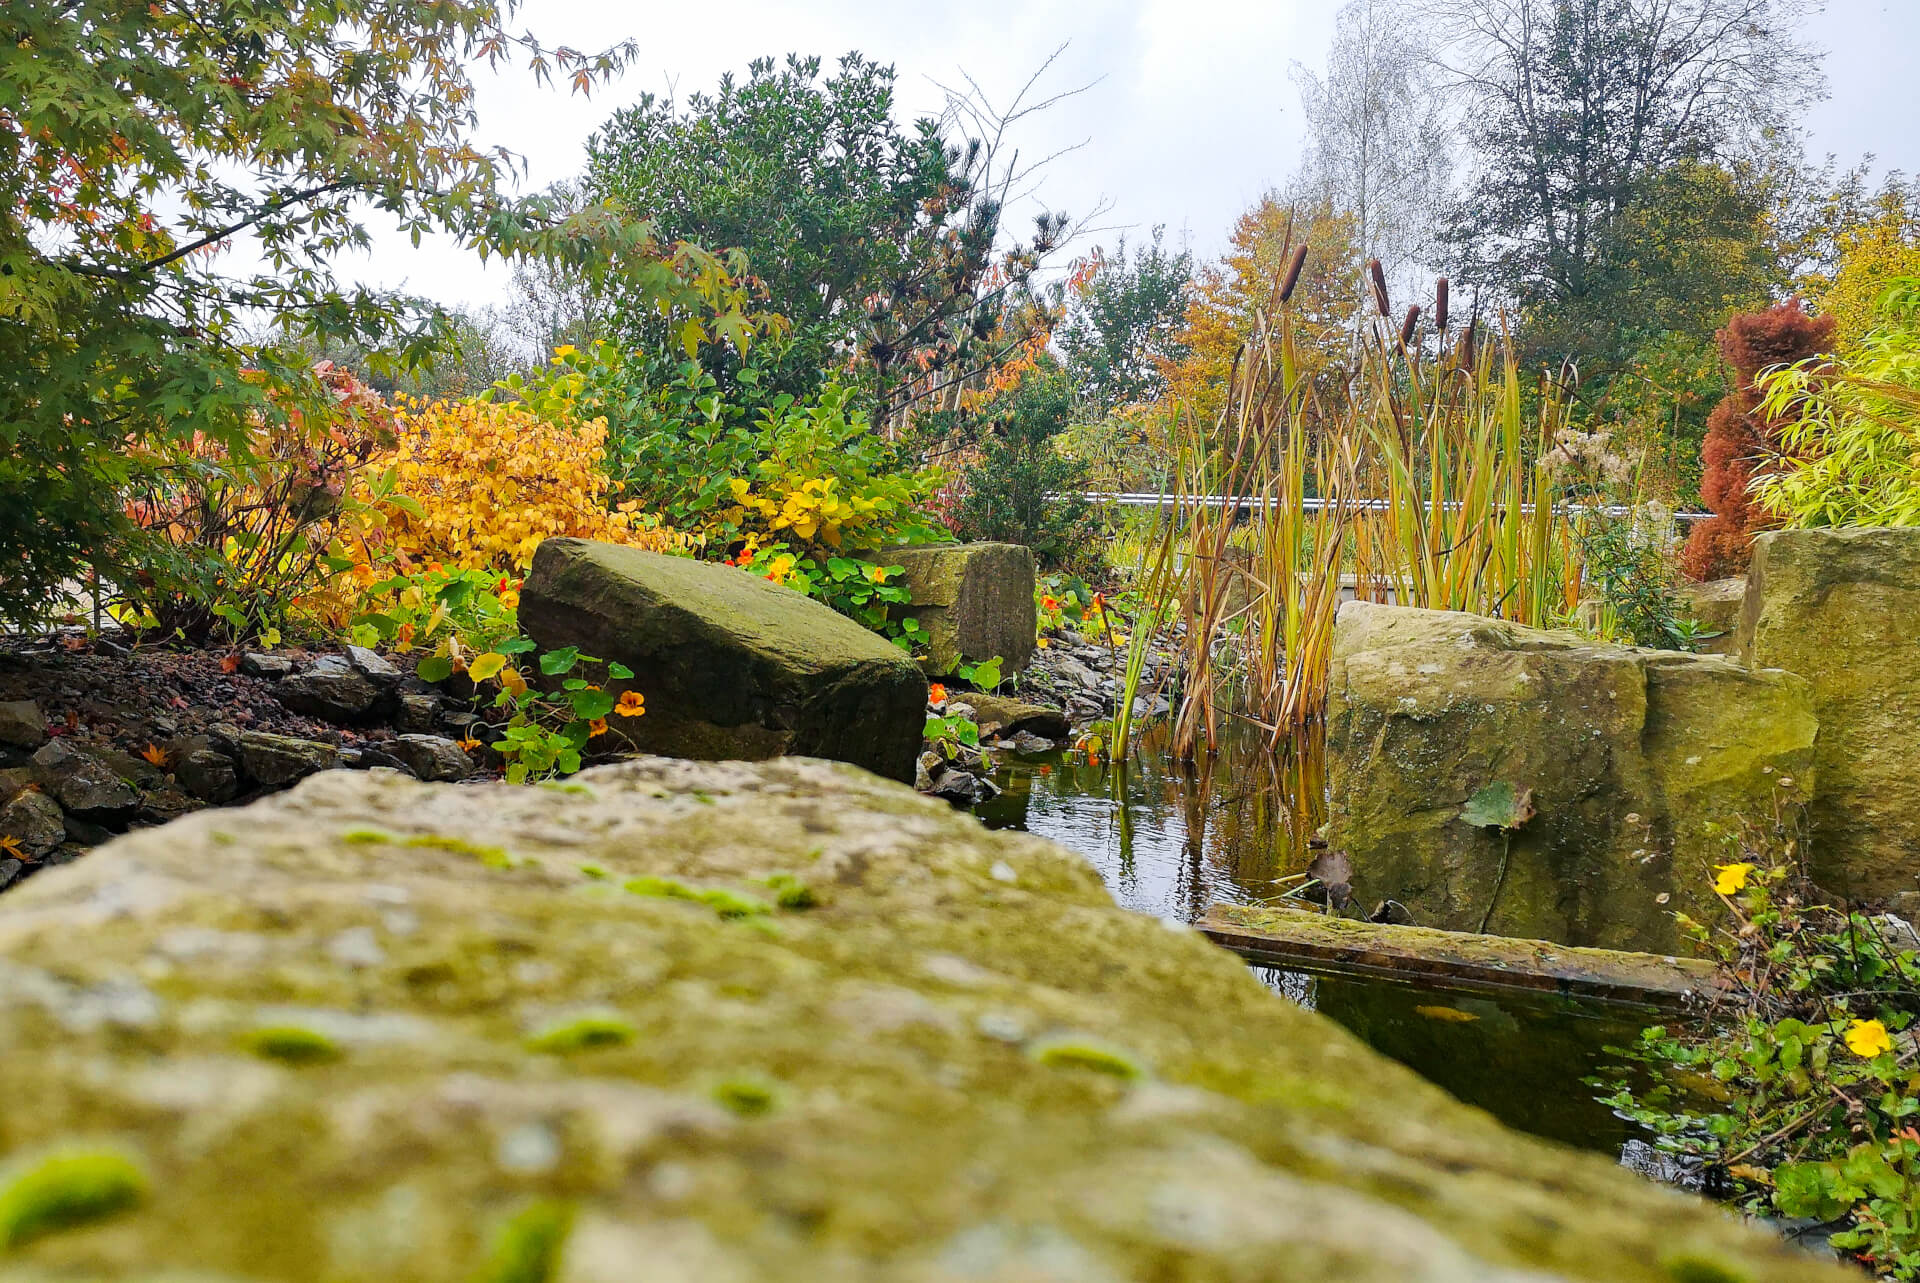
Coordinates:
1296	937
717	1023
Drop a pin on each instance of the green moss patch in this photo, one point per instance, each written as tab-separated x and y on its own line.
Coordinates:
1083	1053
747	1097
493	857
790	892
726	903
291	1044
528	1247
582	1033
66	1189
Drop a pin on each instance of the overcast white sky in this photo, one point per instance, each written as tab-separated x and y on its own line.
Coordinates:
1193	116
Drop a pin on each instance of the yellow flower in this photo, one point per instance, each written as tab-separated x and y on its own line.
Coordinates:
1868	1038
1042	642
1731	877
878	574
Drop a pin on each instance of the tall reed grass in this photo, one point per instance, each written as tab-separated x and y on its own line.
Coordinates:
1424	466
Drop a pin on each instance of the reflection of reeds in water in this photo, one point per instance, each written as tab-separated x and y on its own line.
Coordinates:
1429	497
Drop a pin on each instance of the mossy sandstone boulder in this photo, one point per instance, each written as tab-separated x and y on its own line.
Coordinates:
1842	609
731	666
974	599
1634	764
722	1022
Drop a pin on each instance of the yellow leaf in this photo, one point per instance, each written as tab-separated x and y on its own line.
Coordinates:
485	666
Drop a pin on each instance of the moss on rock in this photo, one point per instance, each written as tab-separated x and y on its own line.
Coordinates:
974	599
1639	764
963	1061
732	667
1842	609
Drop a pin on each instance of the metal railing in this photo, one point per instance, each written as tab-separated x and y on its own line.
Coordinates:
1251	503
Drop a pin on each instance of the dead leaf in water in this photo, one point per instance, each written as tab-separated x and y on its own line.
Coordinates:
1452	1015
1333	871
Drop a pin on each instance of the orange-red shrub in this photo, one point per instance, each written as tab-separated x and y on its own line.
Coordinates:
1740	440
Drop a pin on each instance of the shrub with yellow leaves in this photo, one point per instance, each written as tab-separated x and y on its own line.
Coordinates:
480	485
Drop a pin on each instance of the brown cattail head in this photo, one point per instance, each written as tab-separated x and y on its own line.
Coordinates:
1466	343
1292	277
1379	287
1406	326
1440	305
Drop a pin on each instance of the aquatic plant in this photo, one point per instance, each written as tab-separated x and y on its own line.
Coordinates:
66	1188
1800	1097
1423	490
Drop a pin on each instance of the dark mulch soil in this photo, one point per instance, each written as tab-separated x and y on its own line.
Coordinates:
112	693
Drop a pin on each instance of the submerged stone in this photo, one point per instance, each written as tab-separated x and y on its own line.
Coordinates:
730	665
955	1058
1635	768
1842	609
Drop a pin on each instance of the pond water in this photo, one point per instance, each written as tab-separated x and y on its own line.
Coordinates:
1171	839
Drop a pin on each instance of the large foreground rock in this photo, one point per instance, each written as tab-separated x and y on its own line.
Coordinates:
1842	609
730	666
1639	764
974	599
377	1029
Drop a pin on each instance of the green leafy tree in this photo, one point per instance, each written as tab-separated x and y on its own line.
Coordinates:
877	243
1601	131
1020	465
1123	327
171	173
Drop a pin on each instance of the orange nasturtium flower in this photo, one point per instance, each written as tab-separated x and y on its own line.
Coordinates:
1049	603
1868	1038
936	694
1732	877
632	704
598	726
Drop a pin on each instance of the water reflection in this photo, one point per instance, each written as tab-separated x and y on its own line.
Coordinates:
1521	1057
1172	838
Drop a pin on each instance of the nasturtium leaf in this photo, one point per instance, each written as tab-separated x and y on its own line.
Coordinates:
556	662
591	705
487	665
1499	806
434	668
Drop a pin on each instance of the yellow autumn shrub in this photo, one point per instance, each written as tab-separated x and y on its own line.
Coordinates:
479	485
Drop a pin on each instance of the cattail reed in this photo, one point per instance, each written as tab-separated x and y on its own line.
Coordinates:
1379	276
1466	343
1440	306
1407	326
1293	273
